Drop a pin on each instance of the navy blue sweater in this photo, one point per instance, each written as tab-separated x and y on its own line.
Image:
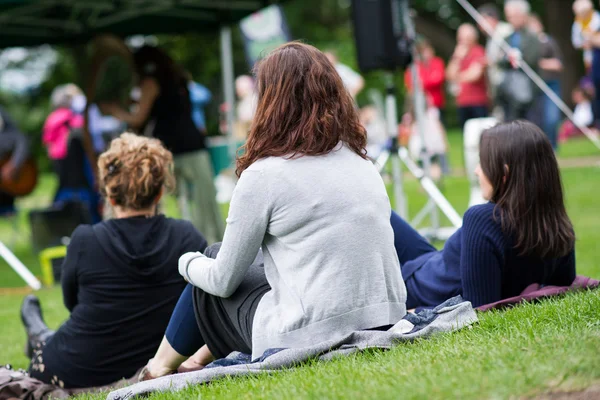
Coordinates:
480	263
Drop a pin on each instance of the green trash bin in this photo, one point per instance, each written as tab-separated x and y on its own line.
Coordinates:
218	149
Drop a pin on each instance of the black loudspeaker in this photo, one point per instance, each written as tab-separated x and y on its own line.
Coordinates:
380	34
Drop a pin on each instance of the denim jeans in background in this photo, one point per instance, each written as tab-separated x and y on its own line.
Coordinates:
469	112
552	115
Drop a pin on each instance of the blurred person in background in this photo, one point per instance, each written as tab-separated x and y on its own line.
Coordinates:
432	74
200	97
62	136
583	115
14	151
587	22
518	93
493	52
436	142
164	110
375	126
119	278
546	114
114	84
591	41
353	81
103	128
245	107
466	70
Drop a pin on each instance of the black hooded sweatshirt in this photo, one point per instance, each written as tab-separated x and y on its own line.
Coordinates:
121	283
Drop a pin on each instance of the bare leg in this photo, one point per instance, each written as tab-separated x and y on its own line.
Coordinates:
199	360
166	361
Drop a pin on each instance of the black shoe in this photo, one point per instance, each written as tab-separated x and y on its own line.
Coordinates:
33	321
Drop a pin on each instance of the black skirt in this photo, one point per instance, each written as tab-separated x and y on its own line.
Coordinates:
226	324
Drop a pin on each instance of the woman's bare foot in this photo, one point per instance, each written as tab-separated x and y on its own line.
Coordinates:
189	366
153	371
199	360
165	362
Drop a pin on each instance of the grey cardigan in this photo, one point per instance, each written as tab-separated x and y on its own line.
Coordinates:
323	223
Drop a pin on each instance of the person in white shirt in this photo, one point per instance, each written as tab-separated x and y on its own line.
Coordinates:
583	115
494	54
587	21
353	81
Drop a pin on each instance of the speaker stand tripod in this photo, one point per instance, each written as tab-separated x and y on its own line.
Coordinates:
397	155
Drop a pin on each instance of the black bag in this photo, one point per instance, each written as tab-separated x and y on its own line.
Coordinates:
19	385
517	89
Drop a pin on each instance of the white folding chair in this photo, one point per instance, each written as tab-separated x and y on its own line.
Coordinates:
472	136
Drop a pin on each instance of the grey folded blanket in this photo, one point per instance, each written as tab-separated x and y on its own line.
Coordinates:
449	316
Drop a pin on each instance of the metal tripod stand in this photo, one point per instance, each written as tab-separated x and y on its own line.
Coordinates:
397	156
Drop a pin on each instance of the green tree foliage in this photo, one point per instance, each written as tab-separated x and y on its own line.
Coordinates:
325	24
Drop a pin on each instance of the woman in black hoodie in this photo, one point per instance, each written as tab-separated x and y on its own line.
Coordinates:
119	279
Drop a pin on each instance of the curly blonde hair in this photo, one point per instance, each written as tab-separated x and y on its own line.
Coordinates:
134	170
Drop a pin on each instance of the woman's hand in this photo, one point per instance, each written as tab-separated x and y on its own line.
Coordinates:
460	52
149	93
515	57
8	172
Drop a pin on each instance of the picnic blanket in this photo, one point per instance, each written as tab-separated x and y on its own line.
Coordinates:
449	316
536	292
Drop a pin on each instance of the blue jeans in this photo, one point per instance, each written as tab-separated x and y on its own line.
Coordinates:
184	335
470	112
552	114
408	242
182	332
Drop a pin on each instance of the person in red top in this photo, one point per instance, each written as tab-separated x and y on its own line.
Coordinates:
467	71
431	73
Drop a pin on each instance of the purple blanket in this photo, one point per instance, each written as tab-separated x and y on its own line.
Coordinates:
536	292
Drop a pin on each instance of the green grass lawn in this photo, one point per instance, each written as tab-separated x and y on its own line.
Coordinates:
532	349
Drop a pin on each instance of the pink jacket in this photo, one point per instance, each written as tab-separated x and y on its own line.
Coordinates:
56	131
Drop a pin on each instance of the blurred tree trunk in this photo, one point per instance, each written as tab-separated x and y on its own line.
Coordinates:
558	21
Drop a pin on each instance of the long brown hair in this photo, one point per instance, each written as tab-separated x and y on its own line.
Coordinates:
519	162
303	108
154	62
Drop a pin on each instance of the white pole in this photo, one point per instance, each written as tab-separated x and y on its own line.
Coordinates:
19	268
391	116
228	87
529	72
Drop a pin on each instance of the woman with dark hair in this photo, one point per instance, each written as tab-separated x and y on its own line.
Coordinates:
522	236
119	278
165	110
318	207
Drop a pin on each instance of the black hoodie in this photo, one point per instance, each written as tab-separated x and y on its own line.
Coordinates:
120	281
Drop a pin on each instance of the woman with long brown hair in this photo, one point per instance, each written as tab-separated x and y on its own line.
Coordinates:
522	236
310	197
